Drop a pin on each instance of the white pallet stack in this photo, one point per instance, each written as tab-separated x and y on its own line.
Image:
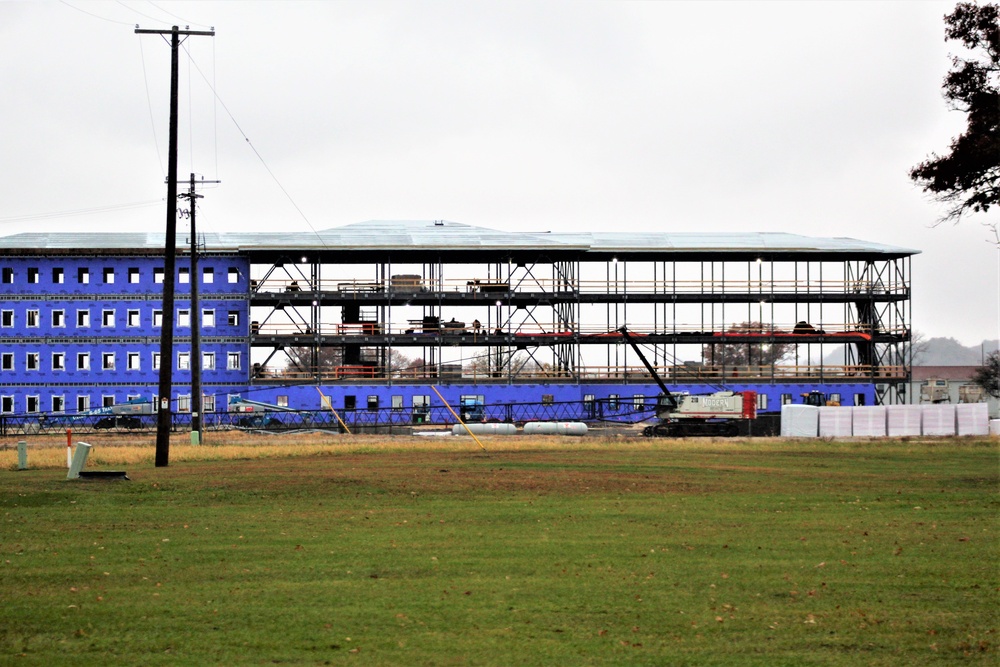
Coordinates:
972	418
869	420
799	421
938	419
835	422
903	420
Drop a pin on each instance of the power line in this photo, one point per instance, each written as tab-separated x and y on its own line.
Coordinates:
79	211
252	147
133	9
149	103
96	16
175	15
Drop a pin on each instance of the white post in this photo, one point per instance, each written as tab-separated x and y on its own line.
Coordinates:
22	455
79	460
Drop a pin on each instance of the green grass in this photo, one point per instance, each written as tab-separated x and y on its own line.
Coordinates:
735	553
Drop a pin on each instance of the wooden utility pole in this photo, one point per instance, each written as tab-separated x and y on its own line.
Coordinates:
197	421
170	255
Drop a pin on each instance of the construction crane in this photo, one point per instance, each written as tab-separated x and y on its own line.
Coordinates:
717	414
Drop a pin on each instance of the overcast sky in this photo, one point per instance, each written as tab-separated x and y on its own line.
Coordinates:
541	115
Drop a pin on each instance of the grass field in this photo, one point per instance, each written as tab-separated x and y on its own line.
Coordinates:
427	551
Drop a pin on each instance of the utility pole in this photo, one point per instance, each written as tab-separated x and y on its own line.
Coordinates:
170	254
196	394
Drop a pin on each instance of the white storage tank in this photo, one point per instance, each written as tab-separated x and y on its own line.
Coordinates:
555	428
484	429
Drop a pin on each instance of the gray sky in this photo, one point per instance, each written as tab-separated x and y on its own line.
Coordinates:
541	115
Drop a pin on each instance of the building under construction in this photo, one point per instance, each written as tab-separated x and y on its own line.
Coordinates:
383	316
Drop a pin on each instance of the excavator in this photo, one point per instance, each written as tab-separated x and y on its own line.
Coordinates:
717	414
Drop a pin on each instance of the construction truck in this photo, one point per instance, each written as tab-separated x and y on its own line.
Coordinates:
121	415
718	414
819	399
256	413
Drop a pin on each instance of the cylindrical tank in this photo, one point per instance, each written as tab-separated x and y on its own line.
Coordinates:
555	428
484	429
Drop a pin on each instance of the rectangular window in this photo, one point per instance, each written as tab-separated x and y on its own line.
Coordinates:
183	318
786	399
183	361
208	361
183	276
133	318
420	409
234	275
613	401
762	401
208	403
372	402
208	275
83	275
835	399
8	275
156	361
184	403
107	401
397	402
638	402
31	361
58	361
31	317
58	277
33	276
157	318
233	361
83	361
7	404
108	361
282	401
107	318
7	318
33	403
82	318
109	276
208	317
233	319
158	275
7	361
58	319
82	403
133	276
133	362
59	404
548	399
859	399
350	402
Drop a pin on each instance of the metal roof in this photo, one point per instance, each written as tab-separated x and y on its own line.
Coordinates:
440	235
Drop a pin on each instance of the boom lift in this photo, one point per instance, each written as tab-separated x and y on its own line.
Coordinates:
718	414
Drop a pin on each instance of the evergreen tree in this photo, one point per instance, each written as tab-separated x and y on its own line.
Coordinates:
968	178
